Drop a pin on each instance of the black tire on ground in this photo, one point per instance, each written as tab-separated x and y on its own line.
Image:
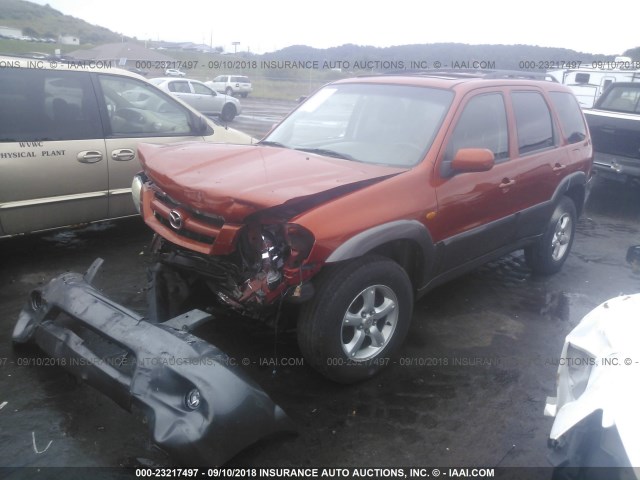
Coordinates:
549	254
244	95
229	91
357	319
228	113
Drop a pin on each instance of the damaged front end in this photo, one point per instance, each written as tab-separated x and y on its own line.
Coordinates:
225	218
267	265
201	408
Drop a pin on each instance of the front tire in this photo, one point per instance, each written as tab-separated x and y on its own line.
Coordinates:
549	254
357	319
228	113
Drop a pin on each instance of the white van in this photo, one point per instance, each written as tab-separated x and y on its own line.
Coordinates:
68	140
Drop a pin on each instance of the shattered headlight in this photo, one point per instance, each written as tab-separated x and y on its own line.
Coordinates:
579	365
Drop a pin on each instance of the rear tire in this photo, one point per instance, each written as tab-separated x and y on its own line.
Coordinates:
357	319
550	252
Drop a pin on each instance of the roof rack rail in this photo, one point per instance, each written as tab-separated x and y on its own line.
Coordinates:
478	73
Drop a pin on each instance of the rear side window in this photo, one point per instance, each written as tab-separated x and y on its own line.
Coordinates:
41	105
483	124
179	87
569	115
533	122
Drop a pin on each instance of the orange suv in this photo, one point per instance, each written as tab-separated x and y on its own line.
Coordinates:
369	194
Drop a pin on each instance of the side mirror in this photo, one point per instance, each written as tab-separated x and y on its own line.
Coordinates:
200	125
473	160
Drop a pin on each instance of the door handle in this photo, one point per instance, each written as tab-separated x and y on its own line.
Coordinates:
89	156
507	182
123	154
558	167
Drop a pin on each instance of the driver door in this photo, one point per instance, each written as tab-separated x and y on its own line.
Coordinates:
136	112
207	100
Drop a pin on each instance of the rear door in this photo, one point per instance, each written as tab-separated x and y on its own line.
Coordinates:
52	153
540	161
135	112
182	90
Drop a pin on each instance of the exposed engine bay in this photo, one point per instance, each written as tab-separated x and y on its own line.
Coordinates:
265	267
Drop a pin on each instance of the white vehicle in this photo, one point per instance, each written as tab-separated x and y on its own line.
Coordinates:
588	83
596	407
200	97
174	72
231	85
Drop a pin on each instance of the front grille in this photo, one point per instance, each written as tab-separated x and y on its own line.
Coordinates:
183	232
208	219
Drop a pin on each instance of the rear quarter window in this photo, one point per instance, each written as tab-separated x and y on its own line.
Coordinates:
569	115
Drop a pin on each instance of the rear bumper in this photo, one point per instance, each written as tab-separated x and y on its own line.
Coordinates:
201	408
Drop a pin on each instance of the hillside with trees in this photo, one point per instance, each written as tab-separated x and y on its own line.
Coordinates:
42	21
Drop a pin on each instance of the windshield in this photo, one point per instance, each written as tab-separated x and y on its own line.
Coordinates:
381	124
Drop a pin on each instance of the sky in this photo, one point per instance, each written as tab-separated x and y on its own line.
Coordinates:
263	26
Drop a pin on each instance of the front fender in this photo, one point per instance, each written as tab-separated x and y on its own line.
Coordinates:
376	236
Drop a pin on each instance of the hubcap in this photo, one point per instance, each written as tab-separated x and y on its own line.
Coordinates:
561	237
369	322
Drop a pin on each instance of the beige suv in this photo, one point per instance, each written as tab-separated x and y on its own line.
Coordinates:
69	138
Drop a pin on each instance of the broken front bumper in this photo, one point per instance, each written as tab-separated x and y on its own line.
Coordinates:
202	409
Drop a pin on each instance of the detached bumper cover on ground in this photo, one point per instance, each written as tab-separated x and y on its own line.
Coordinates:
201	408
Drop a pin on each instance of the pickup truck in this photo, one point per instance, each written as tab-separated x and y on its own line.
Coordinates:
614	123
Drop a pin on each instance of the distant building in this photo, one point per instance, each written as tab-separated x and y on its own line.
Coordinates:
68	40
10	32
126	55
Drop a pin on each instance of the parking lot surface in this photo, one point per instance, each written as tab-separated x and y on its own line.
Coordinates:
468	388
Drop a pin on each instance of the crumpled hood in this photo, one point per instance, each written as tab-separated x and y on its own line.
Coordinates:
234	181
612	332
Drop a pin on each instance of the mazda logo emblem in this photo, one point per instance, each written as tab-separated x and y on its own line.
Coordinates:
175	219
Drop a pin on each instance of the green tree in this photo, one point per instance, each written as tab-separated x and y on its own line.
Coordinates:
634	53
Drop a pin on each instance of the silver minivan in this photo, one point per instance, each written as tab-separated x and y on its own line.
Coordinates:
69	137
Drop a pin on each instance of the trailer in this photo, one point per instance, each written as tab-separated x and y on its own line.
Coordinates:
589	82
